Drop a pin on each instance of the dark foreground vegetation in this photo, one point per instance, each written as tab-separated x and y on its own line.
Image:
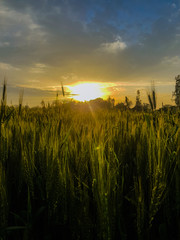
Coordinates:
78	171
104	174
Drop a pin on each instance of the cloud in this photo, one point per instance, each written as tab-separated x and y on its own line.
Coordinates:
61	39
21	36
6	66
173	5
33	81
113	47
175	60
19	28
4	44
38	68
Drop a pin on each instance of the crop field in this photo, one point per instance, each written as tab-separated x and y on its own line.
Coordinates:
103	174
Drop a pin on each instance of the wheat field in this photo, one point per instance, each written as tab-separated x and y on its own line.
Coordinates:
104	174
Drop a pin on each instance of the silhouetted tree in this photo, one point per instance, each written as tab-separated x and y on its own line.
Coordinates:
111	102
176	93
120	106
138	105
43	104
146	107
128	103
99	103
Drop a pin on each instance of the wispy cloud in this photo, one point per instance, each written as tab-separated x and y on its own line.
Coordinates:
114	47
6	67
175	60
38	68
108	41
19	28
173	5
4	44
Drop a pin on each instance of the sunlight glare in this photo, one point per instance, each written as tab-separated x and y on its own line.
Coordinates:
87	91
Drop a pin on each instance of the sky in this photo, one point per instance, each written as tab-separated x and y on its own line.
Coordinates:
125	45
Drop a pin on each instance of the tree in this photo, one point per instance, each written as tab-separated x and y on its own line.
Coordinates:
111	102
176	93
120	106
138	105
128	103
43	104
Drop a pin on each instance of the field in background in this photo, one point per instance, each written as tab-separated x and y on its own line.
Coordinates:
104	174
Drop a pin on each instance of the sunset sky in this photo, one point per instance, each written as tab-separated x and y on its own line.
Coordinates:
121	45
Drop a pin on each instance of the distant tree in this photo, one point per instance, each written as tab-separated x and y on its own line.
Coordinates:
138	101
146	107
138	105
99	103
43	104
128	103
176	93
111	102
120	106
26	107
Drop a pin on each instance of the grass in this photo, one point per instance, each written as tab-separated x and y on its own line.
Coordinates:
81	175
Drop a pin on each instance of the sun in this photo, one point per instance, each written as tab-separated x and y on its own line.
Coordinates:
86	91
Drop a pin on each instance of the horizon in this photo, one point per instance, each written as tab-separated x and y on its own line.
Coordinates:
50	95
64	96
